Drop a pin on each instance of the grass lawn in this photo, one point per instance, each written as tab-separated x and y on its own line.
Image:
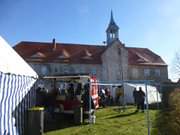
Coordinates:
110	121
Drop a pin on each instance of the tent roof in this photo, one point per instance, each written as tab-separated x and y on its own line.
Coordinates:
67	77
11	62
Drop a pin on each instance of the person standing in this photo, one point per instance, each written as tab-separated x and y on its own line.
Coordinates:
102	97
108	96
135	94
119	95
140	99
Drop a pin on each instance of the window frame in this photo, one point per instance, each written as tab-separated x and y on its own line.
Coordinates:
147	72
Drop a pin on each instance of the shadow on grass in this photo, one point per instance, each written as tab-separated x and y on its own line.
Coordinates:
118	108
123	115
131	110
59	121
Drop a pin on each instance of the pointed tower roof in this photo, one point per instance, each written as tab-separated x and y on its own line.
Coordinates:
112	18
112	25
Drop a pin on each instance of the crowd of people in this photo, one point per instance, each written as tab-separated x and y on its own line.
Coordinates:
72	92
106	98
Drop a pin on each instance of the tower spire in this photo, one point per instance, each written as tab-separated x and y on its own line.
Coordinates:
112	18
112	30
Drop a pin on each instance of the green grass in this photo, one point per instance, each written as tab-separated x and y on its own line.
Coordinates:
110	121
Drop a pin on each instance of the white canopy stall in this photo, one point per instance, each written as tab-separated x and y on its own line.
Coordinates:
153	93
16	93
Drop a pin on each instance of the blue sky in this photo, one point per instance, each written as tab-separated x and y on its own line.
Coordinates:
153	24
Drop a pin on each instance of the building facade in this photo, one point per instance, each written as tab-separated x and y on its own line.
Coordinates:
111	62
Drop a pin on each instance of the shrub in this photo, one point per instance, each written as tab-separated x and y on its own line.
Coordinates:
168	119
174	114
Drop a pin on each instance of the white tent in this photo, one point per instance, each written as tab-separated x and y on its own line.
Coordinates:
16	93
11	62
153	94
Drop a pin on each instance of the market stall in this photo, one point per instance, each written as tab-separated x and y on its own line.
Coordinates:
70	92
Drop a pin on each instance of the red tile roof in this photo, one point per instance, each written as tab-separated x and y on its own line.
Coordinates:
144	56
81	54
65	53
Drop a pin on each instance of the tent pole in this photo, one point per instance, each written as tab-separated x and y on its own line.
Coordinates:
157	98
147	109
123	96
90	87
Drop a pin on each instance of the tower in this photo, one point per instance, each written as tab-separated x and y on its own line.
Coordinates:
112	30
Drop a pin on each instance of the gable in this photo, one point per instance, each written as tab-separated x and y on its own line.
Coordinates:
115	44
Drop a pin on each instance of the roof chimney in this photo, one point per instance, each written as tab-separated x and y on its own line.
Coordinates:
54	44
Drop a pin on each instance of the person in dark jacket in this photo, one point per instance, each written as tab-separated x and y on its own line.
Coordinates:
70	91
140	99
135	95
78	89
86	98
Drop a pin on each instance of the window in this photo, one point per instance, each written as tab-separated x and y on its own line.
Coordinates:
55	70
112	35
93	71
146	72
66	71
44	70
81	70
157	72
135	72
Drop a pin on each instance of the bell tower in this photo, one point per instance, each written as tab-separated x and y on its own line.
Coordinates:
112	30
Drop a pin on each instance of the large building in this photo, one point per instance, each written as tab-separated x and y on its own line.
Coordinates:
111	62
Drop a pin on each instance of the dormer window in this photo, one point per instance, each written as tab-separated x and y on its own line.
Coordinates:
38	55
141	58
87	55
64	54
